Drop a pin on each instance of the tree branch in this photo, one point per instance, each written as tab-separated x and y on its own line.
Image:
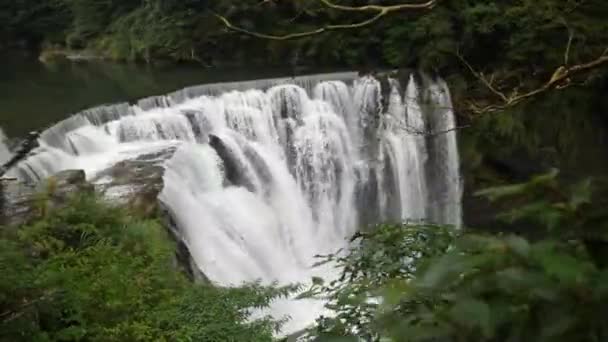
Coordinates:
380	11
569	46
11	315
559	79
480	76
429	133
379	8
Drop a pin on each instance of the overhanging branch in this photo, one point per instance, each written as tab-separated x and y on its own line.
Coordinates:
560	78
380	11
379	8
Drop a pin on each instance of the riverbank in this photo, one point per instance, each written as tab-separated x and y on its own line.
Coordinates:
54	55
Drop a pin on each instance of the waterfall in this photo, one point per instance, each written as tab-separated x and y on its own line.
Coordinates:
5	154
269	173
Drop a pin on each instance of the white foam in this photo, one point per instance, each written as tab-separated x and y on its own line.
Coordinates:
264	179
5	154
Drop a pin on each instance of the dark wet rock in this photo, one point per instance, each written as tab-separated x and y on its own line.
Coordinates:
16	202
21	152
233	166
193	116
21	202
135	183
182	254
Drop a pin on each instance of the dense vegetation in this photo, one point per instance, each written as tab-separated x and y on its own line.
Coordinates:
91	272
94	273
530	35
426	283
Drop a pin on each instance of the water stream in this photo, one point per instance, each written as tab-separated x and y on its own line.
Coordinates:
269	173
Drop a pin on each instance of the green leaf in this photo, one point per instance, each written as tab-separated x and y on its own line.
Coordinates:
543	212
518	245
556	324
563	267
474	314
443	271
581	194
499	192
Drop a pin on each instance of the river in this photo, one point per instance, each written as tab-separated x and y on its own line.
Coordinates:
269	173
34	95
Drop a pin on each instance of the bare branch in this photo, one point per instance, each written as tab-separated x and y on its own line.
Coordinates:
11	315
481	77
570	39
380	11
379	8
560	79
569	46
428	133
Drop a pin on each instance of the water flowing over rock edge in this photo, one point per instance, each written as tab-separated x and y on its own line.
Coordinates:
274	171
5	154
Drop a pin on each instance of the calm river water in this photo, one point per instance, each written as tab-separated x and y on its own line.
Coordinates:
34	95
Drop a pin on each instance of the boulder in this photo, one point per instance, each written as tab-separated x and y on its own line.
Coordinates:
135	183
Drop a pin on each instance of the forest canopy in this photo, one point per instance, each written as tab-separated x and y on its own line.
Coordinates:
528	33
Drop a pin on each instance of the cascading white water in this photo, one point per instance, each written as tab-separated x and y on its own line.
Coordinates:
5	154
443	166
268	174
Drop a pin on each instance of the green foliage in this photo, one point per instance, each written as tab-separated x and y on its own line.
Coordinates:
91	272
386	256
420	283
514	38
545	204
29	21
503	289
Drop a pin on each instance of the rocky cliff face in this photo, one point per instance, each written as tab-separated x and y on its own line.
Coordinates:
21	202
133	183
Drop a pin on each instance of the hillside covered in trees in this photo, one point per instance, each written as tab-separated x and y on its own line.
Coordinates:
529	34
